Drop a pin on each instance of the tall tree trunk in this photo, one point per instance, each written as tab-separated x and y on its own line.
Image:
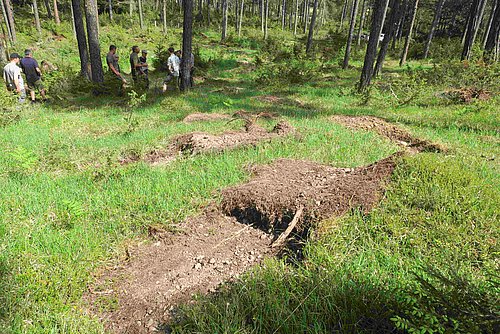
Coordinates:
241	17
224	20
408	37
361	22
306	14
10	18
490	22
110	5
491	46
389	34
401	23
73	20
311	27
378	16
471	27
47	7
164	16
141	15
262	15
6	19
295	17
283	15
266	31
354	14
187	38
37	18
344	13
479	20
81	39
208	13
93	37
131	8
435	21
56	13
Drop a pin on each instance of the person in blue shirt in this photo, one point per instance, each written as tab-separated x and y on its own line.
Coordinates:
33	75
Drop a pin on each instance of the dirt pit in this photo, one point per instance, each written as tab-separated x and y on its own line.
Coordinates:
396	134
207	250
200	117
198	142
139	295
277	191
466	95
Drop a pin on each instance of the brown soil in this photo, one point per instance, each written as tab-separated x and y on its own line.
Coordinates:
467	95
200	117
278	190
198	142
213	248
208	250
396	134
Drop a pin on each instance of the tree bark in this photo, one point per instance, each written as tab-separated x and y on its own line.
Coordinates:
10	18
208	13
361	22
187	38
435	21
344	13
283	15
262	14
37	18
295	17
81	39
110	5
490	22
141	15
224	20
164	16
311	27
408	37
354	14
491	46
306	14
378	15
266	31
471	29
47	7
93	38
480	19
73	20
389	34
241	17
6	19
56	13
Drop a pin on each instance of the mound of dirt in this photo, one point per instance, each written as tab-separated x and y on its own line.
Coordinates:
394	133
198	142
200	117
277	191
209	250
467	95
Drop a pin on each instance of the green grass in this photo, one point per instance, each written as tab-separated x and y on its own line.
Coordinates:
67	207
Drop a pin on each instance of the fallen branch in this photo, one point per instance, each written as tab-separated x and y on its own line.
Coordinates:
282	238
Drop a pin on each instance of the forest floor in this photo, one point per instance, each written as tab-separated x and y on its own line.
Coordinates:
113	214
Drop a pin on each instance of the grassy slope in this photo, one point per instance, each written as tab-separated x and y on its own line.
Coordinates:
67	207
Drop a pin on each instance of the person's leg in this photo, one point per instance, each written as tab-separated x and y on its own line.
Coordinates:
22	96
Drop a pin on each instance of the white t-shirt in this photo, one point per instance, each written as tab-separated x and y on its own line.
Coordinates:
174	64
10	72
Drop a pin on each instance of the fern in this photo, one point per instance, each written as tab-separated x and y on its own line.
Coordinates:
25	158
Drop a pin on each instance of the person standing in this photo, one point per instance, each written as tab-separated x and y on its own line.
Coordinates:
13	78
173	64
30	67
134	62
143	69
113	66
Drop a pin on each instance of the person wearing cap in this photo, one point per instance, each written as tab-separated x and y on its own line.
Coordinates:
143	70
13	78
173	64
30	67
134	62
113	66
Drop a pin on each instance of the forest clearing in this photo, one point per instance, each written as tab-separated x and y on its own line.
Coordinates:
333	168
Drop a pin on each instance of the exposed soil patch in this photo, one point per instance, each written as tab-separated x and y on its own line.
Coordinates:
280	100
208	250
200	117
401	137
279	190
198	142
140	294
467	95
